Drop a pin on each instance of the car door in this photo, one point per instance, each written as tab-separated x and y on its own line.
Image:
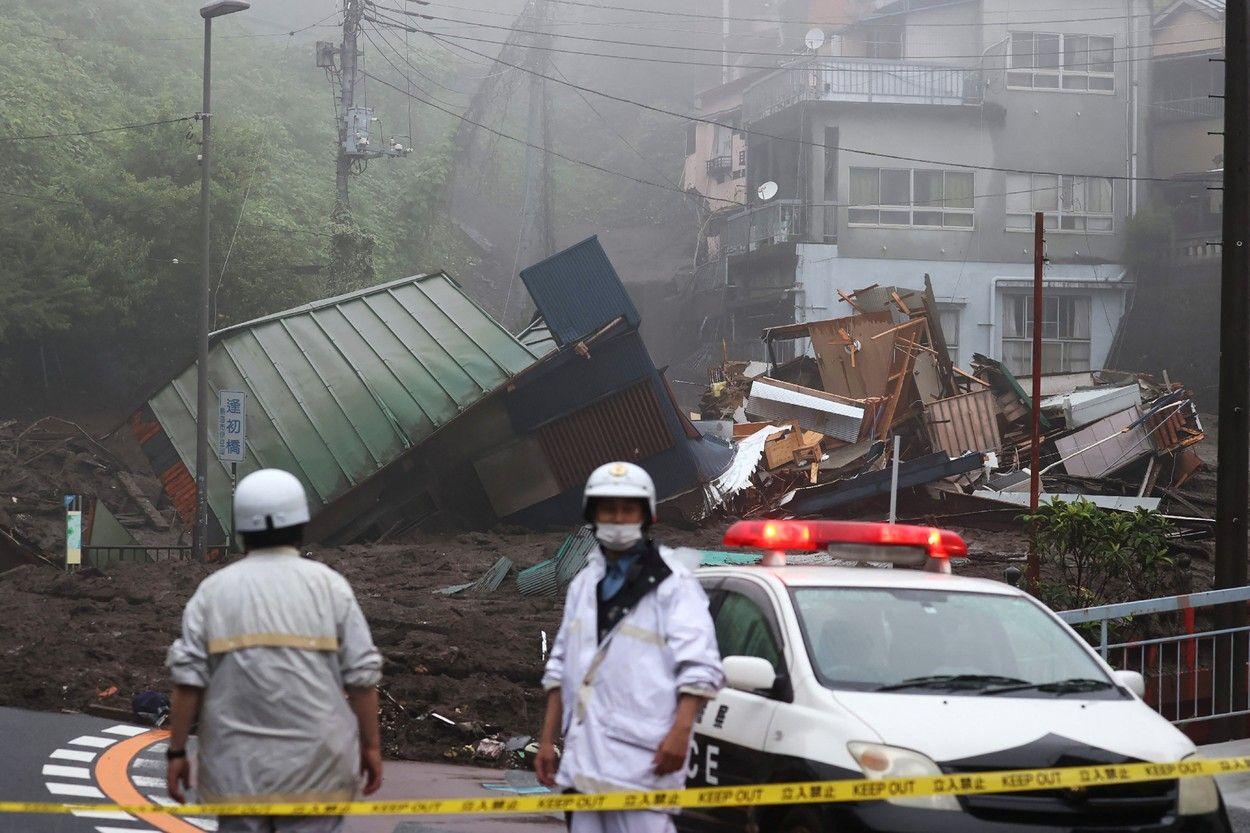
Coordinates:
731	729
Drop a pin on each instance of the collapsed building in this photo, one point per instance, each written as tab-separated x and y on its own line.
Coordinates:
406	404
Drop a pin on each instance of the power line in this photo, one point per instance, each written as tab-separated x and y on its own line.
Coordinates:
554	153
171	39
790	55
99	130
808	143
868	70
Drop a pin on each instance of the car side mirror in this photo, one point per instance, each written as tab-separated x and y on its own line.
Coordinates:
1131	680
749	673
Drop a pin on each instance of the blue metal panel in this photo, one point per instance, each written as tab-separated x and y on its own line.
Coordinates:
578	292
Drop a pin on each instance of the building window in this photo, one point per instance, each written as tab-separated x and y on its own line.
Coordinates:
884	42
1065	333
903	197
948	320
1071	203
692	131
1047	61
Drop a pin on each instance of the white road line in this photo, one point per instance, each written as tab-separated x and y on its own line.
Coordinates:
73	755
204	824
157	748
148	763
148	781
111	815
93	741
125	731
66	771
163	800
117	830
80	790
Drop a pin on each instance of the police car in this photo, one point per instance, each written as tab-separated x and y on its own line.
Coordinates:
847	672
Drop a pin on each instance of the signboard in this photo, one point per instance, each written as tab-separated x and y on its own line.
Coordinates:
73	537
231	425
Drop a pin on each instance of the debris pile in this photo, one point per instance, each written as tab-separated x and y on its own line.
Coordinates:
52	465
817	428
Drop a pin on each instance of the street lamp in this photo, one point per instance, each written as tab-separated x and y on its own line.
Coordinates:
200	535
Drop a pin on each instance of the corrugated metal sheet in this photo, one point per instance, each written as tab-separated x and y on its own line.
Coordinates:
340	388
628	425
775	401
968	422
1115	447
578	292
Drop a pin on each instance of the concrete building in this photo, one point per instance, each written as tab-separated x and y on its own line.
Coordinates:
919	139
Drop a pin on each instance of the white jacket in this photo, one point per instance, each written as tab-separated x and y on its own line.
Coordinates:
273	640
620	697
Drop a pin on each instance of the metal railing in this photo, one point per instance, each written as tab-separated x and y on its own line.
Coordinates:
103	556
1192	676
780	221
862	80
1187	109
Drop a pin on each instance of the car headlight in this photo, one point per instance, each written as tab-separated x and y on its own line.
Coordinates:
1197	796
880	762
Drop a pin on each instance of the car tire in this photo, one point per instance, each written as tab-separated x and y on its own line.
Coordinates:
800	820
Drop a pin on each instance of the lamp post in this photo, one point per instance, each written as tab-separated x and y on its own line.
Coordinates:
200	535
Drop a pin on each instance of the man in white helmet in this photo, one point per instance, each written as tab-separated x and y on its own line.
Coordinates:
634	661
277	660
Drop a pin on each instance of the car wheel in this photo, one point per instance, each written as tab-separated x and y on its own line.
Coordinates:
800	820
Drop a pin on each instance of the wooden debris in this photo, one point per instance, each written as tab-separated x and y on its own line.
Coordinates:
141	500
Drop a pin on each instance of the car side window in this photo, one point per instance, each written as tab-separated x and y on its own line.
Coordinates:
742	630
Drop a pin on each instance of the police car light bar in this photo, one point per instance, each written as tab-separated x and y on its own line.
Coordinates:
813	536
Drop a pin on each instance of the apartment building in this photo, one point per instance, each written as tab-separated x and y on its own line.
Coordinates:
919	139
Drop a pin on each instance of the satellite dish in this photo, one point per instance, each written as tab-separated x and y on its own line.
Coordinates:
814	39
766	191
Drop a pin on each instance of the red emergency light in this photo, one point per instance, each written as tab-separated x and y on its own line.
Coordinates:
813	536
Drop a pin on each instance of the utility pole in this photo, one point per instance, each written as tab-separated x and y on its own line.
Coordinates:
354	123
1232	484
1033	574
353	10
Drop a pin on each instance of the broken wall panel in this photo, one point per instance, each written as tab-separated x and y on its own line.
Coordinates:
852	363
577	291
1105	446
968	422
815	410
627	425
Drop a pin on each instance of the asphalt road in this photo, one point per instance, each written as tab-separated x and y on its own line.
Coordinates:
79	759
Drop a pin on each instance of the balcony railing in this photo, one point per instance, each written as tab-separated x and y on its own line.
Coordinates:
1187	109
861	79
778	222
718	166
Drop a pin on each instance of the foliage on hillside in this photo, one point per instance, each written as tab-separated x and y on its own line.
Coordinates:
99	235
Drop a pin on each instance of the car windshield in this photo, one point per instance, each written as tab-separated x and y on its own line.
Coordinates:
918	640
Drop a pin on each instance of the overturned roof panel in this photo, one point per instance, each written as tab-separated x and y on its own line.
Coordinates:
577	292
338	389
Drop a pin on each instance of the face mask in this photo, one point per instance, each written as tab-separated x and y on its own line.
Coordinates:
618	537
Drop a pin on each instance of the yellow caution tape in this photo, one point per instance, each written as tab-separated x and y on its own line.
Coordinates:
814	792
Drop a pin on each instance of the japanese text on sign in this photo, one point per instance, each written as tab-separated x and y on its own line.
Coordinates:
231	425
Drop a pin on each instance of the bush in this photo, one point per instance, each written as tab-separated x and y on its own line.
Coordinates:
1101	557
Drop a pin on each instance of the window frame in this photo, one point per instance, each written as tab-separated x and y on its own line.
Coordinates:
1064	343
1056	217
783	690
912	208
1059	72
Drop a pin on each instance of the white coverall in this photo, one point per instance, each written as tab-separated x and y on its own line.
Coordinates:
620	697
273	639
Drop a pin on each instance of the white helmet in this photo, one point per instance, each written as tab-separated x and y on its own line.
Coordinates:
269	499
619	480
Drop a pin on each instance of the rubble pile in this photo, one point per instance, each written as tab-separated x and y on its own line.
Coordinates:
45	462
817	429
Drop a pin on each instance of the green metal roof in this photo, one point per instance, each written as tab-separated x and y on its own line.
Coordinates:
339	388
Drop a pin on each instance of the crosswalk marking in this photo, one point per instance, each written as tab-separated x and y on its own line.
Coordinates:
66	771
100	829
80	790
110	815
125	731
148	763
147	781
163	800
93	741
204	824
73	755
